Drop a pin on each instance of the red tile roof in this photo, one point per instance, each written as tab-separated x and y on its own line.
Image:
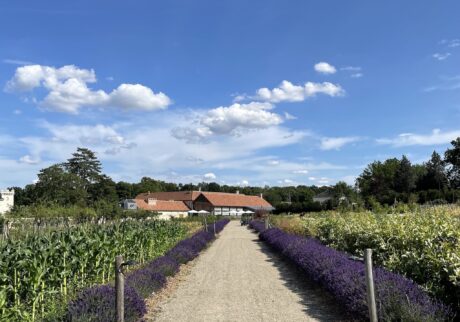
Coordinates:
173	195
219	199
162	205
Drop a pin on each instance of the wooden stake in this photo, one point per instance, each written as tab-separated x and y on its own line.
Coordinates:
120	289
370	286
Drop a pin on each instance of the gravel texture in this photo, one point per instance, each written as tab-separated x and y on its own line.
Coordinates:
239	279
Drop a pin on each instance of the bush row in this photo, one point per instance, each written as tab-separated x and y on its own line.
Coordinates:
98	303
398	298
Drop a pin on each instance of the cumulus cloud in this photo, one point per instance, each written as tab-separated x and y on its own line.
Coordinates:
209	176
435	138
68	91
288	92
335	143
325	68
441	56
228	120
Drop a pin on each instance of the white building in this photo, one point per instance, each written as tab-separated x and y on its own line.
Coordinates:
6	200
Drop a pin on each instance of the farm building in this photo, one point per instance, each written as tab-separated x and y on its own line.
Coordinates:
129	204
217	203
166	209
6	200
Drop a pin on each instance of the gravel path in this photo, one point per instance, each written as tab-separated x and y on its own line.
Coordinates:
238	279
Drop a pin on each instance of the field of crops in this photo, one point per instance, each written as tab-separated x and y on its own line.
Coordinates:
41	272
423	245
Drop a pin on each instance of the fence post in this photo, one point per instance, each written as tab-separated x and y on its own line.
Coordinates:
370	285
266	223
205	224
120	289
214	228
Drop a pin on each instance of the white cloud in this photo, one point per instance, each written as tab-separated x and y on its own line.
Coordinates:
335	143
435	138
17	112
229	120
454	43
137	96
351	68
28	159
325	68
16	62
273	162
68	90
357	75
244	183
303	171
288	116
288	92
441	56
450	43
209	176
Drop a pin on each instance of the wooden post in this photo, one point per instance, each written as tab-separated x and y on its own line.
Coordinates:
214	228
205	224
120	289
266	223
370	285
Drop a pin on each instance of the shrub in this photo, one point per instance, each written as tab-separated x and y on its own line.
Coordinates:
145	281
164	265
98	304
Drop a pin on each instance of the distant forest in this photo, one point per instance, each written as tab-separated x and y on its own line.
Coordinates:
80	182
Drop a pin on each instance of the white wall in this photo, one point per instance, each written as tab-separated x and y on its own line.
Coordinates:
166	215
7	200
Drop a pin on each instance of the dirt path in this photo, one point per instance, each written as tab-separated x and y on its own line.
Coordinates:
239	279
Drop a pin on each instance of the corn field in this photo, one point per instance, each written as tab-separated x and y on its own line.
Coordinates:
41	272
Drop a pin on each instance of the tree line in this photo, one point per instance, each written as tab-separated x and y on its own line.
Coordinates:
80	182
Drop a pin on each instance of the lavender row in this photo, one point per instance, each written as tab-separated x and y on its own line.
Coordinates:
398	298
97	303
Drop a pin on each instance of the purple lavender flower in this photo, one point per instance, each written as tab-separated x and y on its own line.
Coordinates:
98	304
165	265
145	281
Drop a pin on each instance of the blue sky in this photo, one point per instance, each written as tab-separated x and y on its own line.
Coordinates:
237	92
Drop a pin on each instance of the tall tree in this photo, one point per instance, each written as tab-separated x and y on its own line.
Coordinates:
56	185
435	176
452	159
404	176
85	165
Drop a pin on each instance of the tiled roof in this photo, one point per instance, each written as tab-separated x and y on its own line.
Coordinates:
162	205
219	199
173	195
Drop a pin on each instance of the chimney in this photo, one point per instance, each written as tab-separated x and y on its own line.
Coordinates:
199	189
237	192
261	195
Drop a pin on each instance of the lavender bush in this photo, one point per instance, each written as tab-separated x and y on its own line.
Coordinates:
398	298
98	304
164	265
145	281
